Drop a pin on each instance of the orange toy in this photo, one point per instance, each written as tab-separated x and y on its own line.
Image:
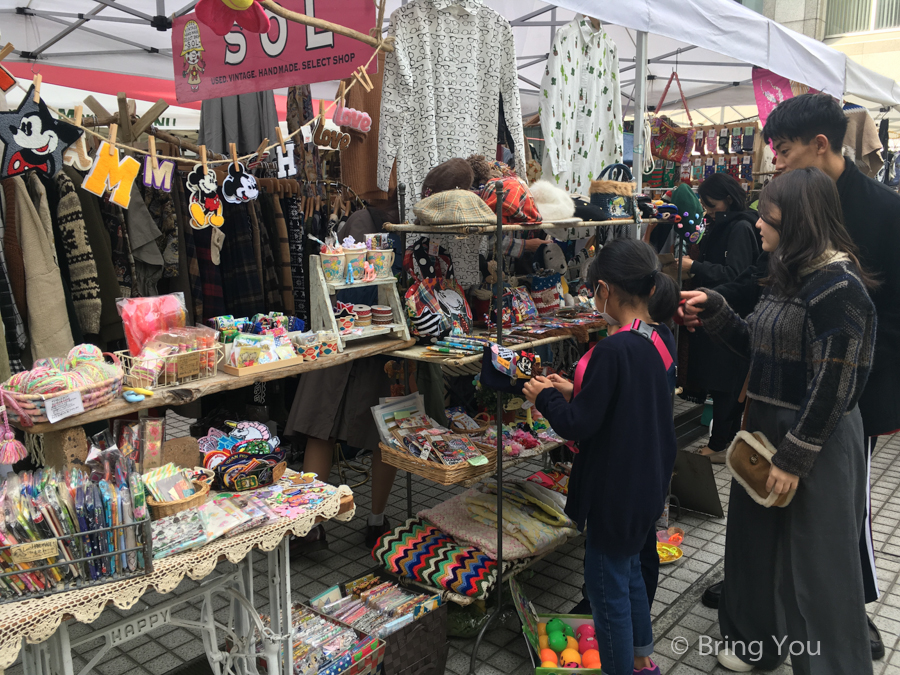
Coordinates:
543	642
571	643
591	658
549	664
570	656
549	656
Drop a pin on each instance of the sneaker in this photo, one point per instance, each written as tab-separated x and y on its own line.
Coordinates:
374	532
712	595
714	457
652	669
875	641
732	662
315	540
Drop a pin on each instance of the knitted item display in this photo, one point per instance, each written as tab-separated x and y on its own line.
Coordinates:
85	287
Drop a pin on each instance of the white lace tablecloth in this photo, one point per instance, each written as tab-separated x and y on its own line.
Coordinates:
37	619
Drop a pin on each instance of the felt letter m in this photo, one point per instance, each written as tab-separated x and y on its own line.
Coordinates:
108	173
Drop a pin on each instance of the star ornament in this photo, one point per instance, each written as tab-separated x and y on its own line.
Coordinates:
34	139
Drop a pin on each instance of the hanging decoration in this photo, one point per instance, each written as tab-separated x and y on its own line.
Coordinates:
239	186
160	176
109	174
205	205
221	15
355	119
76	154
33	138
338	140
285	160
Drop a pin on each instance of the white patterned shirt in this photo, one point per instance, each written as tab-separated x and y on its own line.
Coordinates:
452	61
581	106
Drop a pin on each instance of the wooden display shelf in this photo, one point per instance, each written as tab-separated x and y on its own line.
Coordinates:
222	382
334	287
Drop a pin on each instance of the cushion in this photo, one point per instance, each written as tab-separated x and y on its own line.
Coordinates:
454	207
423	553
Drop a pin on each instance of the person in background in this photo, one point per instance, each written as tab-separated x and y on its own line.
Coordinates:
792	572
619	410
808	131
729	246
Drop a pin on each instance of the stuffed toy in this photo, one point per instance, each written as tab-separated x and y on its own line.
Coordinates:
550	257
482	170
454	174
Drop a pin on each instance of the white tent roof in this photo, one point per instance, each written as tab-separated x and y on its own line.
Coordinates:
718	41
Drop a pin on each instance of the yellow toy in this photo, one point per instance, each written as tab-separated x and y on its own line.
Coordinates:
570	656
571	643
542	629
543	642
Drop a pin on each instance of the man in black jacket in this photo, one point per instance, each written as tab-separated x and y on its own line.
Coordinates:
808	131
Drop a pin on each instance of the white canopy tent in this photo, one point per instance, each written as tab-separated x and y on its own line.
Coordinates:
712	43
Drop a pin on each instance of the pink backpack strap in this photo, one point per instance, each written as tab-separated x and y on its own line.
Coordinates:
647	332
580	367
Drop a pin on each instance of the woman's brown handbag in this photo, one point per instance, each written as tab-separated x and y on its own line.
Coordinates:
749	459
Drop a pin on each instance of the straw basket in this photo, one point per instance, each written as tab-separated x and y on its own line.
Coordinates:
162	509
31	409
439	473
484	424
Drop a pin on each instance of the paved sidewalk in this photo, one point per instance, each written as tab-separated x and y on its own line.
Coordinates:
555	585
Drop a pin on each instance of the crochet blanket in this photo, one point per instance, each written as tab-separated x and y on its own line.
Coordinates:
421	552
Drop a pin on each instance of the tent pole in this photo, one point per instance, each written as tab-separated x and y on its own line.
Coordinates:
640	107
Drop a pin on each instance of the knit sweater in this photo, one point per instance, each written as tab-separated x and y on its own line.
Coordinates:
811	352
82	267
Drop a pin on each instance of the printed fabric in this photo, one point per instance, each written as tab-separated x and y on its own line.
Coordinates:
421	552
518	204
581	106
442	86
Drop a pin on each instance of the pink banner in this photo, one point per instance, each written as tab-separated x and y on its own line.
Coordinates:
771	89
208	66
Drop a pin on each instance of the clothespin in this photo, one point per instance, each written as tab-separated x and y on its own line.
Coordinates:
342	94
113	130
261	150
363	78
321	111
233	148
79	112
37	87
151	141
281	140
203	159
6	51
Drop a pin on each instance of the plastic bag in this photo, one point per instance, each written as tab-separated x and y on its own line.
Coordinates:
145	317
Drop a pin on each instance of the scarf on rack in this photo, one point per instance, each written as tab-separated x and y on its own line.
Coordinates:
295	238
243	294
179	202
283	258
271	289
85	286
162	209
48	321
12	250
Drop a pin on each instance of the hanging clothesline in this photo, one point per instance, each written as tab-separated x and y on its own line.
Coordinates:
224	160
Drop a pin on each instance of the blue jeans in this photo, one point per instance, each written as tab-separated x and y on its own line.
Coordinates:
621	611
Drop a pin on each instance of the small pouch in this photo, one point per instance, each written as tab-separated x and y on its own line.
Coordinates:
749	458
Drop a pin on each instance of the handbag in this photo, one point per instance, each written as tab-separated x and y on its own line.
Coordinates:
749	458
613	192
435	302
671	142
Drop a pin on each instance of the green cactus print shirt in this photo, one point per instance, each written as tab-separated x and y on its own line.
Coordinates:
581	106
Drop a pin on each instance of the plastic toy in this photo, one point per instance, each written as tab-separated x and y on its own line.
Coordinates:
572	643
591	659
542	628
549	656
585	630
132	397
568	630
555	625
543	641
557	641
570	656
586	642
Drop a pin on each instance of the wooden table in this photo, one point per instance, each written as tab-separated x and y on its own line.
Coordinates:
222	382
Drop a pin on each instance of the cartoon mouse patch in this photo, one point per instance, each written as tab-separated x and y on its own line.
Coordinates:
205	205
239	187
34	139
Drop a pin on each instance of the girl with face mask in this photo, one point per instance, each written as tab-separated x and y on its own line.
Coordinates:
619	410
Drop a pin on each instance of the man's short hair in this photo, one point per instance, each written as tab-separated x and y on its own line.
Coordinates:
805	117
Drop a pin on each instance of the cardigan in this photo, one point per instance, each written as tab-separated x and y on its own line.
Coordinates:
622	420
811	352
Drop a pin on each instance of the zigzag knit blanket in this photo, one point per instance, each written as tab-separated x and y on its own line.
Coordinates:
423	553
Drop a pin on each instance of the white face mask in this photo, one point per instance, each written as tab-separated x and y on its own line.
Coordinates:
603	315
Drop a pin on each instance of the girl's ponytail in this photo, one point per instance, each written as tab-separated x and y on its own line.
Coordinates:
664	300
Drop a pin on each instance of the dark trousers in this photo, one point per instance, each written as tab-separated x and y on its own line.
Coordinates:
727	413
866	549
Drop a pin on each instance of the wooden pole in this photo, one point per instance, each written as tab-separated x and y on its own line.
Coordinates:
148	118
296	17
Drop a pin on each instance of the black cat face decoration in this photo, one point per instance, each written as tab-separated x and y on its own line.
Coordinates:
34	139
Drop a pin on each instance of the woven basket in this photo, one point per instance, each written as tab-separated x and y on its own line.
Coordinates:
439	473
162	509
31	409
477	431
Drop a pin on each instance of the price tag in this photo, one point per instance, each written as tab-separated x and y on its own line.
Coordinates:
34	551
307	134
61	407
434	247
188	365
514	404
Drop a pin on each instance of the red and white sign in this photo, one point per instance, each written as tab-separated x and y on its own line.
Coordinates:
208	66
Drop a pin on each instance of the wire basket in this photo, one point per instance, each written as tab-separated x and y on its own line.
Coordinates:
73	561
160	372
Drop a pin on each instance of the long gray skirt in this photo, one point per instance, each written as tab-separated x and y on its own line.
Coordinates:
795	572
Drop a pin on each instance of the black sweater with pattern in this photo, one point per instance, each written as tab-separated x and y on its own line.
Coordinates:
811	353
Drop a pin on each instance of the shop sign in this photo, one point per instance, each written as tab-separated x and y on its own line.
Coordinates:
209	66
